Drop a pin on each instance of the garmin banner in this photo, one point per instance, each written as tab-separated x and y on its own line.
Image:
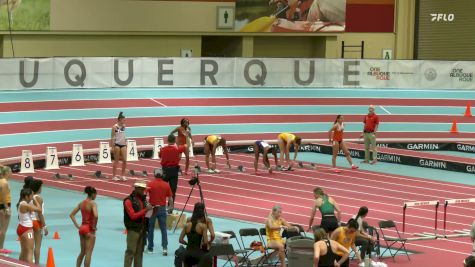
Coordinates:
92	72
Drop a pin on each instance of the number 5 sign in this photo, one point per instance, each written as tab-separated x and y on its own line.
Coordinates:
77	156
104	155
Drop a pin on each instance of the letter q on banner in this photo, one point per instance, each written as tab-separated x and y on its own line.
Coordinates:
104	155
51	158
157	146
132	153
77	156
27	162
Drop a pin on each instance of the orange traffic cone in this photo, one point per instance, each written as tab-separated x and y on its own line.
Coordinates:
454	127
50	260
125	231
468	112
56	235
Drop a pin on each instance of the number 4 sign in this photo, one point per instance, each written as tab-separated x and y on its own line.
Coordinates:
132	153
77	156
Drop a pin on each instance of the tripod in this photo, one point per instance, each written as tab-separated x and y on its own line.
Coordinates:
193	182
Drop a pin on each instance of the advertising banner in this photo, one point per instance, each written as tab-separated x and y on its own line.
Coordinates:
102	72
290	16
24	15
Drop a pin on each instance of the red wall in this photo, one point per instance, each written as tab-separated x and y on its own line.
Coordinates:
370	16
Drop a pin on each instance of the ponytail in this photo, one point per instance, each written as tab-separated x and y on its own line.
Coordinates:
121	116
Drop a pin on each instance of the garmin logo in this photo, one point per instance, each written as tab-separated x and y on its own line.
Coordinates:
389	158
433	164
442	17
423	146
466	148
471	168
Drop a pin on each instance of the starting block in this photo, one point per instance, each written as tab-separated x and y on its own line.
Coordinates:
312	166
197	168
240	168
136	173
63	176
98	174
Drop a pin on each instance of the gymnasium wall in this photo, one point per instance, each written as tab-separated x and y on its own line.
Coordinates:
163	28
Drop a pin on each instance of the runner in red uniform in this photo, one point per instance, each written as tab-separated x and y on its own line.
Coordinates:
335	136
87	230
184	138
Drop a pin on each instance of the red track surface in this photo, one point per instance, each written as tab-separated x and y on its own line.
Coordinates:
10	152
122	103
250	197
28	127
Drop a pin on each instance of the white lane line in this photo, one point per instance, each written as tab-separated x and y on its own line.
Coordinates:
385	110
158	102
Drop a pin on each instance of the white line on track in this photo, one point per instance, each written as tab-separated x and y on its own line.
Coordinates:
385	110
158	102
230	212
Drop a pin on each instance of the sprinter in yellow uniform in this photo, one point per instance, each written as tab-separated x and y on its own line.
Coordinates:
274	224
210	144
285	141
346	236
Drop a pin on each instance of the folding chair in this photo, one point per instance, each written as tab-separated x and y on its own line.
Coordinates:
268	257
251	232
240	253
224	250
372	231
289	234
392	241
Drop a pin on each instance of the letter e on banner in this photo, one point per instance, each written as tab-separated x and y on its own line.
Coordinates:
104	155
132	153
77	155
27	162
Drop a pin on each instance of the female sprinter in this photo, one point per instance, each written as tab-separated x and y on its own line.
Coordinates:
285	140
210	144
327	206
5	205
87	230
264	148
119	147
185	138
335	137
39	224
325	251
274	224
25	224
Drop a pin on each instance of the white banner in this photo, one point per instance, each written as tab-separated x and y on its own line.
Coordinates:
97	72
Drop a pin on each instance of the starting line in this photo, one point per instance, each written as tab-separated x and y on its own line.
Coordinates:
436	204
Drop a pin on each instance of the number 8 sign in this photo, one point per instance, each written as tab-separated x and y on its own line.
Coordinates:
27	162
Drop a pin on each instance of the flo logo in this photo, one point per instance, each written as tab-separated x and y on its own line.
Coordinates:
442	17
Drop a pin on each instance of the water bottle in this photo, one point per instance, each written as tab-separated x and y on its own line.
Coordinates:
367	261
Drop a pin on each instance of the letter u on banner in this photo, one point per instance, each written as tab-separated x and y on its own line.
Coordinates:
77	156
157	146
132	153
51	158
27	162
104	155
